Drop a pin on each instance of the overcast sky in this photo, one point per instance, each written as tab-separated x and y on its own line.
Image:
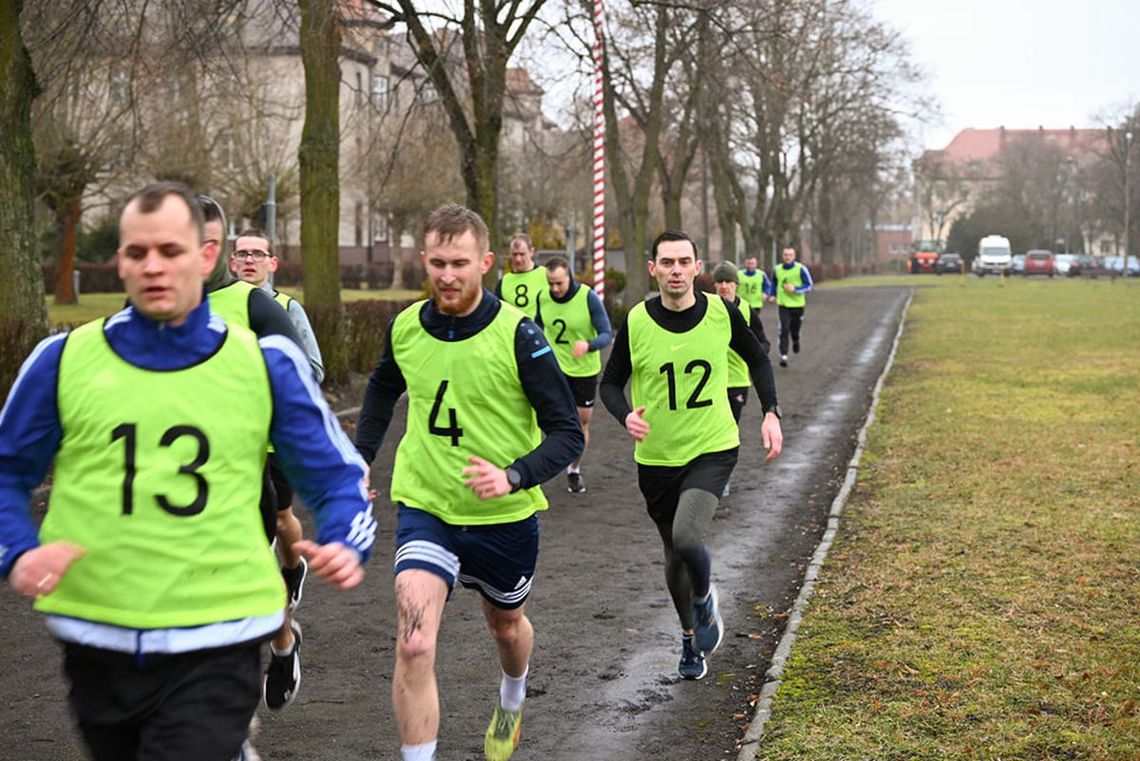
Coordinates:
1021	63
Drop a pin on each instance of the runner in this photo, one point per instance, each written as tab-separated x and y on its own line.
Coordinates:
525	283
253	260
793	283
152	565
675	348
578	327
483	386
755	288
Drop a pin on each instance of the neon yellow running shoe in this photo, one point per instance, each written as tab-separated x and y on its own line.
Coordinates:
502	734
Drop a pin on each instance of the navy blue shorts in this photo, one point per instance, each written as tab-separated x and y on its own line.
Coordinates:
498	560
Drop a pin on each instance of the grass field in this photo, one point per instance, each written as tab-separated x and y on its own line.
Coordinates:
94	305
982	597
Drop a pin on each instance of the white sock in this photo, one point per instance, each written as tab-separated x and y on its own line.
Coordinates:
286	651
512	691
425	752
572	469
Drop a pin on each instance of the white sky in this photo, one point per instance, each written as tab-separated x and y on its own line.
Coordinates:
1020	63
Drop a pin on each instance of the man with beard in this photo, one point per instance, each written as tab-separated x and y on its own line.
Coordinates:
483	386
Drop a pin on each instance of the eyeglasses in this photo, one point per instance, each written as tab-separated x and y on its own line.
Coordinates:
256	255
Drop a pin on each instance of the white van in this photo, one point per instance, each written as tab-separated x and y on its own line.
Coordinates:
994	256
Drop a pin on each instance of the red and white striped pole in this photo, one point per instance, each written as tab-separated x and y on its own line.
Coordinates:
599	156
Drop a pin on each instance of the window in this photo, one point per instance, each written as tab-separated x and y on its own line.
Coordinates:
379	228
358	219
118	88
380	92
1105	247
380	47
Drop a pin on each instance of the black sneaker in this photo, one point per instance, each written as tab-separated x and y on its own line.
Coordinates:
796	346
295	582
783	360
692	664
283	677
709	628
574	483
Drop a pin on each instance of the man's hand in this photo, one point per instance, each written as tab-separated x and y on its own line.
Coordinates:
581	348
636	425
772	436
771	299
38	571
334	562
789	288
486	480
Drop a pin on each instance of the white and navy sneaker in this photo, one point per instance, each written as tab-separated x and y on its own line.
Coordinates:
709	628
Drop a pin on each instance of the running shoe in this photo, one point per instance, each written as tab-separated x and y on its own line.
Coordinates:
295	582
796	346
503	734
707	622
283	677
692	665
783	360
574	483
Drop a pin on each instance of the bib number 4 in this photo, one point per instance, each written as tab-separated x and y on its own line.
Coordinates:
453	431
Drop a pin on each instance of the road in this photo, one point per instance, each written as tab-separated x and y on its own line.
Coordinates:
603	681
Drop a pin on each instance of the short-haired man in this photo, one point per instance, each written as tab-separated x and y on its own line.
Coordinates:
577	326
675	349
152	564
235	300
756	287
793	283
483	386
526	283
253	260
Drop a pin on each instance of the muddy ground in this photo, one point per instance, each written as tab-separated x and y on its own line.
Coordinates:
603	683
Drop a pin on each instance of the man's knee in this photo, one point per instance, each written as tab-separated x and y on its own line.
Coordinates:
508	627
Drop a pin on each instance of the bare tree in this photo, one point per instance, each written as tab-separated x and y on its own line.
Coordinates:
465	56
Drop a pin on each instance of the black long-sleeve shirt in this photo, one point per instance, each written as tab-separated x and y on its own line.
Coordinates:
542	381
743	342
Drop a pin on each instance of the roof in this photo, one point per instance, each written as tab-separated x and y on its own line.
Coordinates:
981	145
520	83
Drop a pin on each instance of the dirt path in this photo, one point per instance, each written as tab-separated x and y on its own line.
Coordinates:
603	679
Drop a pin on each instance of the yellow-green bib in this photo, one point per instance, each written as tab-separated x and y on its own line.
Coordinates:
567	323
231	301
160	481
751	288
283	299
738	375
795	276
464	399
680	379
522	289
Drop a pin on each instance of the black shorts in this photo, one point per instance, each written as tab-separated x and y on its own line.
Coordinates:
276	495
584	389
182	707
661	485
281	487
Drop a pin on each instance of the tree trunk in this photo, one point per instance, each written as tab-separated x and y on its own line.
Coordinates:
396	238
23	316
319	157
67	216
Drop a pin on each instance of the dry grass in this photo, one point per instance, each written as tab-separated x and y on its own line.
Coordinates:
981	601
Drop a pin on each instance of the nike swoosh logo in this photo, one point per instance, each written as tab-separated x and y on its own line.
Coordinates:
674	347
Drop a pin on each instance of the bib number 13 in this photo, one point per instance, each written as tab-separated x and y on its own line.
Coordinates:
128	432
453	431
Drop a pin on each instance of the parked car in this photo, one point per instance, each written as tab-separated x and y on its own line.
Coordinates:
949	263
1090	265
1066	264
1114	264
1016	264
1038	262
922	261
